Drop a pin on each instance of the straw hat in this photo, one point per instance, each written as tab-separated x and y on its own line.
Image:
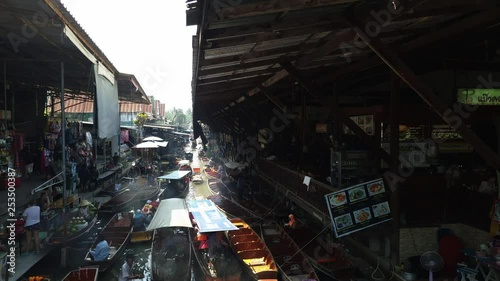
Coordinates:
84	203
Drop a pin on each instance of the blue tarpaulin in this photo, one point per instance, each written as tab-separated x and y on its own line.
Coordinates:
208	217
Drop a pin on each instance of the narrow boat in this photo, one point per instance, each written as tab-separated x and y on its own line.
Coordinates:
83	274
211	173
218	262
175	184
323	254
118	203
171	245
117	233
147	193
74	228
291	262
224	266
253	251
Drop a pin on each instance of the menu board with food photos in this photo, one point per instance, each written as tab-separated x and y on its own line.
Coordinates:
358	207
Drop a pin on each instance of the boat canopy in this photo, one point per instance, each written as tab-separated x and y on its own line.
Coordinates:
208	217
175	175
234	165
171	213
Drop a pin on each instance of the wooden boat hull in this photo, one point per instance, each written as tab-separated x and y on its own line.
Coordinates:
118	203
117	232
171	255
173	193
293	264
59	239
226	267
83	274
251	249
147	193
322	255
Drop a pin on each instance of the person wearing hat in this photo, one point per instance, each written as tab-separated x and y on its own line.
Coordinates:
126	272
86	210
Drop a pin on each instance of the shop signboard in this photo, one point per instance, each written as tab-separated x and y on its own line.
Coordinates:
358	207
479	96
365	122
415	153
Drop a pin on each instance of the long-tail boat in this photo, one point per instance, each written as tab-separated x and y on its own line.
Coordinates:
291	262
118	203
74	227
117	233
83	274
171	245
253	251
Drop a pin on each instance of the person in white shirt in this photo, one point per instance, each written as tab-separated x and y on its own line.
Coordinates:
126	272
32	225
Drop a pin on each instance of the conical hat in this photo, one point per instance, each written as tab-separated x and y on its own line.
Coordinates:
84	203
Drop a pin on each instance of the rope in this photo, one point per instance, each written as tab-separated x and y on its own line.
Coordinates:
378	269
314	238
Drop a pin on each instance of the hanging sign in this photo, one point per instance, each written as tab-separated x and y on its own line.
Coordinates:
358	207
479	96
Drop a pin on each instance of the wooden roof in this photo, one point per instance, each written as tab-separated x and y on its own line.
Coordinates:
241	46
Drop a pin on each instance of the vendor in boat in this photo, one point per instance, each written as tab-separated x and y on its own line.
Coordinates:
292	223
127	270
101	251
155	204
139	221
87	210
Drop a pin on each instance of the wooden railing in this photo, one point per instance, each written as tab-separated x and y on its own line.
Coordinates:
293	182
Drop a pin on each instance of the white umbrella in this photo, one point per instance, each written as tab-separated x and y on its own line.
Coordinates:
147	145
152	138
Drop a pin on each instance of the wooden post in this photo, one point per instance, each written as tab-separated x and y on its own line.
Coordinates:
394	150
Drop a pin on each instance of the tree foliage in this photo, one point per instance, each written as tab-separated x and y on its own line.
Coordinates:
141	119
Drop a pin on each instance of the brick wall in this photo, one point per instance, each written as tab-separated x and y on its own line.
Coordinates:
416	241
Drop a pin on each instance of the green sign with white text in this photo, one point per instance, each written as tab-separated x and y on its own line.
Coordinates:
479	96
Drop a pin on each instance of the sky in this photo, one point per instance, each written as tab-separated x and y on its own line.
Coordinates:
146	38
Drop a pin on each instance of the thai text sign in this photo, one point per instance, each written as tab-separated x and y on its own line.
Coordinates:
479	96
358	207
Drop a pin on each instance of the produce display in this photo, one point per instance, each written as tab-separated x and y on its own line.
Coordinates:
75	224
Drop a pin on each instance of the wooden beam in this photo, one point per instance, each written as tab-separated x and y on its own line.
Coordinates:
272	7
426	93
339	114
465	25
237	77
270	35
394	150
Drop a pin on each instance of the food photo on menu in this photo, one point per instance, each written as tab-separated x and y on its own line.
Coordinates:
343	221
357	194
338	199
381	209
376	188
362	215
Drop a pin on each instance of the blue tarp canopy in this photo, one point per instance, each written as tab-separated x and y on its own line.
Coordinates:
208	217
175	175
